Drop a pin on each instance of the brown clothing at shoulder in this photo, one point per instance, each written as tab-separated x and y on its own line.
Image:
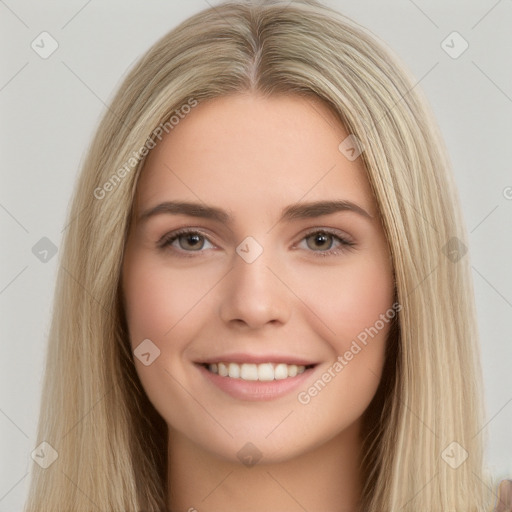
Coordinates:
504	501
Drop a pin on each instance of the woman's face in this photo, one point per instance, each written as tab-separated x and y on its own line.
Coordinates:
257	251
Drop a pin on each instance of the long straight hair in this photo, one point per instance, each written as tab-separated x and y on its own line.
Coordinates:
428	413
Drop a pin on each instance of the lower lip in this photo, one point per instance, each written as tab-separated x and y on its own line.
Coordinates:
256	390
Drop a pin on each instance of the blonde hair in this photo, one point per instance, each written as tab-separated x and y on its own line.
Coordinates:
110	440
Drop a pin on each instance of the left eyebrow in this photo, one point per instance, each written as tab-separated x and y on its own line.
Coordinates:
319	208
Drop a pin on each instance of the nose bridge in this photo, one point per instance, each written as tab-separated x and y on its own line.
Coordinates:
253	295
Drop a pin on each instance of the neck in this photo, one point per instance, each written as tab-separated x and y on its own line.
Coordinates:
325	478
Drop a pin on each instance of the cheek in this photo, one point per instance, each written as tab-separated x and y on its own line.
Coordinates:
349	299
159	300
354	311
346	384
148	303
368	294
168	306
164	306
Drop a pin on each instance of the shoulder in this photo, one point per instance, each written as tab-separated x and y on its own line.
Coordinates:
504	499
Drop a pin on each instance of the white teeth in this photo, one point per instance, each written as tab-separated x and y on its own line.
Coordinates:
280	371
265	372
234	370
248	372
252	372
223	370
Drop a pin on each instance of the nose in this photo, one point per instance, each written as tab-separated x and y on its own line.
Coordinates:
253	296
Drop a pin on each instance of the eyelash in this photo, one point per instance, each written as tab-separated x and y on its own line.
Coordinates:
344	243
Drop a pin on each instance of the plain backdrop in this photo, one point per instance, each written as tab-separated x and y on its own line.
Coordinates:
49	109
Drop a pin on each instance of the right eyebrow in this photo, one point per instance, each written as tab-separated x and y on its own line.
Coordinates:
185	208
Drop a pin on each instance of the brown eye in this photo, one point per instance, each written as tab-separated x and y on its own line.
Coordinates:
325	243
185	241
320	241
191	241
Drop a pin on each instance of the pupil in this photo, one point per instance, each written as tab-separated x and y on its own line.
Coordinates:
192	242
322	241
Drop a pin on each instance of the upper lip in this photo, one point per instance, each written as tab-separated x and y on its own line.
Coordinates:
242	358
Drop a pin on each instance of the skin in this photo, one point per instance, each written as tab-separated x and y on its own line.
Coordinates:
253	157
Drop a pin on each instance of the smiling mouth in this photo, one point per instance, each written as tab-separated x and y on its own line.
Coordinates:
256	372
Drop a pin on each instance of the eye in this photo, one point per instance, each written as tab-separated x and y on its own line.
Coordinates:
186	241
325	242
320	241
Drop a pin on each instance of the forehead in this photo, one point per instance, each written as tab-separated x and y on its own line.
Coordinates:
246	152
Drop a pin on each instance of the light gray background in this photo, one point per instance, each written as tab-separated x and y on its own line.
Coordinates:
51	107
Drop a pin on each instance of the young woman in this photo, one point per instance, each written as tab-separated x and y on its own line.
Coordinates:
262	301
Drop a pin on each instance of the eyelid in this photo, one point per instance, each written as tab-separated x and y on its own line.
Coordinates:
330	231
